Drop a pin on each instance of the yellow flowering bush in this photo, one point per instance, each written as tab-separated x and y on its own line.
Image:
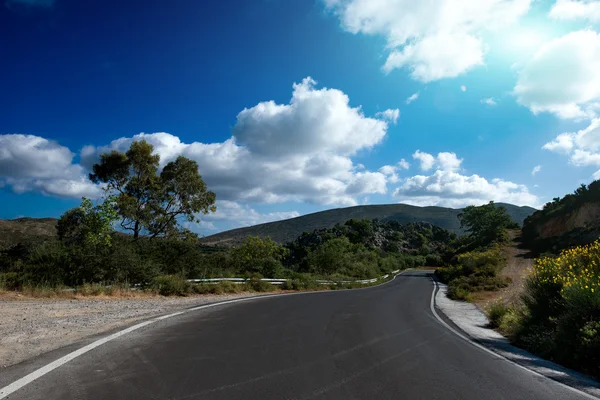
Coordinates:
562	309
577	268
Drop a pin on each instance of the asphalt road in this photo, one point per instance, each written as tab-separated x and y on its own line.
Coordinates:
376	343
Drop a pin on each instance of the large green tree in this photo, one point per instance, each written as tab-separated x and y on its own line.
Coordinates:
486	223
148	201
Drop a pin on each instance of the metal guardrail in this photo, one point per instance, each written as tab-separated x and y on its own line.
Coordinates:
282	281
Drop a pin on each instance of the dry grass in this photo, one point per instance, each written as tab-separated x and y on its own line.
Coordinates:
88	291
517	268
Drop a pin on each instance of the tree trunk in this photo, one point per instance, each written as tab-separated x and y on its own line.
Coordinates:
136	230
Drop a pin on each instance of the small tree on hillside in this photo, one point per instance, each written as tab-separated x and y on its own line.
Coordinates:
150	202
88	224
486	223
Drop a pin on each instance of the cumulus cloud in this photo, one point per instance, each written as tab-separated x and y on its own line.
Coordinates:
283	152
412	98
389	115
391	171
434	40
582	147
404	164
240	215
32	163
536	169
427	160
449	188
576	9
563	77
444	160
489	101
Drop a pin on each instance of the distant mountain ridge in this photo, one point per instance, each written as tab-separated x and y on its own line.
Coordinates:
22	230
26	230
289	229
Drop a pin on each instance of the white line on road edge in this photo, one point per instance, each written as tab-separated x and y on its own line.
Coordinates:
27	379
493	353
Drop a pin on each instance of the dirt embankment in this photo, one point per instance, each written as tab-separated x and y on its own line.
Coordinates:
518	266
30	327
585	216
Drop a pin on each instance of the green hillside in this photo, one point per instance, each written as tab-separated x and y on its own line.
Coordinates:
26	230
289	229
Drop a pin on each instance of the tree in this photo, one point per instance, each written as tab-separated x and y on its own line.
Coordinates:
150	202
257	255
486	223
88	224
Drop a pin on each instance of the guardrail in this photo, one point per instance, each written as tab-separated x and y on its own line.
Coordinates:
282	281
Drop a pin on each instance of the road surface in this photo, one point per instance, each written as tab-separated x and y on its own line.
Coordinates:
376	343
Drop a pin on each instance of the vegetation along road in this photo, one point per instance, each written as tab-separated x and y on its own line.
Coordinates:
382	342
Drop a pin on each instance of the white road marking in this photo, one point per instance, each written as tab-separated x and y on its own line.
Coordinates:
493	353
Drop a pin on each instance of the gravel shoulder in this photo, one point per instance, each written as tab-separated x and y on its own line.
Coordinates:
30	327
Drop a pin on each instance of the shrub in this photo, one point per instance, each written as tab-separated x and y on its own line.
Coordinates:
496	312
91	289
433	260
10	281
258	285
562	301
459	293
171	285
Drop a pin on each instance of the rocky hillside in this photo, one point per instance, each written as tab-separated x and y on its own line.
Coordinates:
24	230
565	222
288	230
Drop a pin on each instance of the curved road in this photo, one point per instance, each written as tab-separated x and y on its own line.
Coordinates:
377	343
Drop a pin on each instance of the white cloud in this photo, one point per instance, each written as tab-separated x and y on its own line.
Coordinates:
389	115
463	88
536	169
562	143
391	171
449	188
404	164
582	147
412	98
563	77
444	161
427	160
489	101
448	161
32	163
239	215
576	9
433	39
283	152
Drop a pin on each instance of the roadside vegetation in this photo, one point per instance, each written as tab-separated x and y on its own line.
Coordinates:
136	239
559	315
474	260
87	262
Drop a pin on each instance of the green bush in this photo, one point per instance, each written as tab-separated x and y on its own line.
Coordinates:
10	281
171	285
496	312
459	293
257	285
433	260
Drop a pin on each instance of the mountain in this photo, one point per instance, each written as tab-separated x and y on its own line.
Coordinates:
289	229
26	230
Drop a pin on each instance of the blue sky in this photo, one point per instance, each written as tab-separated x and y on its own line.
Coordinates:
295	106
